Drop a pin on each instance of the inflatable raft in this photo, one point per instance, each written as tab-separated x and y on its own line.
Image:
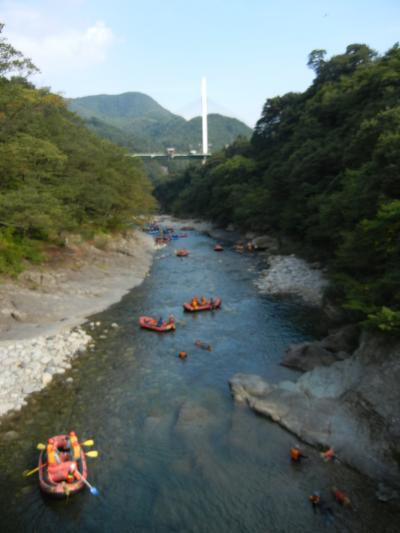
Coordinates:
147	322
218	248
216	304
182	252
49	477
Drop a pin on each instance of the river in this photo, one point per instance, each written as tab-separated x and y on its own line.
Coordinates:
176	453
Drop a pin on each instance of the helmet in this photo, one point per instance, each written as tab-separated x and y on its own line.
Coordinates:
316	493
72	434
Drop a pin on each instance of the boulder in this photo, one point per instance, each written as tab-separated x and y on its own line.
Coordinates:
265	243
307	355
386	493
46	378
337	346
344	339
10	435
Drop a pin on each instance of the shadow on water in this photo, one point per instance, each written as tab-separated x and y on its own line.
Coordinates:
176	453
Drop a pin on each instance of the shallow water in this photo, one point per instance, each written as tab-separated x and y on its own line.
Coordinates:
176	453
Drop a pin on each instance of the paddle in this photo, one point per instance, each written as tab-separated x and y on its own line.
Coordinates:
27	473
92	489
88	442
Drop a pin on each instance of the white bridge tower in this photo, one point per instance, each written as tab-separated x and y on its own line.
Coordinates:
204	115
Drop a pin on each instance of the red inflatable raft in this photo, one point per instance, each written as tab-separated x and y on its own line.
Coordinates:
216	304
218	248
182	252
49	478
147	322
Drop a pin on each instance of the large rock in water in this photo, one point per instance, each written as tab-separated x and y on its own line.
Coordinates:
307	355
265	243
335	347
352	405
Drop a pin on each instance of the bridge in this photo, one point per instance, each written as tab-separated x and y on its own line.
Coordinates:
170	153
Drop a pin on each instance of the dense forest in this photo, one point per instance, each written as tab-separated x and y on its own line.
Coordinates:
322	169
55	175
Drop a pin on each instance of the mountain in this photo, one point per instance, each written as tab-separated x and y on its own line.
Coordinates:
137	121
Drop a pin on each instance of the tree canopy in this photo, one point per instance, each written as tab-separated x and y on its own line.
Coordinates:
55	175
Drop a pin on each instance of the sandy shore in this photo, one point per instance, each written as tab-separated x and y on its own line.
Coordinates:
42	310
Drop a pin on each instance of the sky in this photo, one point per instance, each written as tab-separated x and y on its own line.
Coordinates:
249	50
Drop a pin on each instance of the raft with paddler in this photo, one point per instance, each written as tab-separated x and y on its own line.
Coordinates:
62	465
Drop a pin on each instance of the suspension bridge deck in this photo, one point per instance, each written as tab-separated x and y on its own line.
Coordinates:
170	156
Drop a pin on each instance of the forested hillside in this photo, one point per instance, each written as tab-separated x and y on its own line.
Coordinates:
56	175
137	121
322	167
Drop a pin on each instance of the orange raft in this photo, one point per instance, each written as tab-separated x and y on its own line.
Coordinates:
209	306
49	478
182	252
148	322
218	248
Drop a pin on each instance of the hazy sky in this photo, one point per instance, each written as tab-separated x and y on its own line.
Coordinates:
249	50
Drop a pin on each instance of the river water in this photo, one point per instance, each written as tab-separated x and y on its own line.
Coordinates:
176	453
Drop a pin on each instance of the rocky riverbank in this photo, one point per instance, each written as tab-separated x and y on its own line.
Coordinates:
42	310
352	405
288	274
29	365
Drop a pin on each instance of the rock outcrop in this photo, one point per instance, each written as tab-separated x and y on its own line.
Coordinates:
337	346
352	405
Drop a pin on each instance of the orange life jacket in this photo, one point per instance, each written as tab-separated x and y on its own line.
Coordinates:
76	449
51	455
295	454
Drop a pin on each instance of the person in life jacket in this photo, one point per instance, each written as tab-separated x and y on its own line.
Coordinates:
203	345
328	455
52	455
342	498
315	500
296	455
74	446
203	300
171	319
63	472
72	474
319	504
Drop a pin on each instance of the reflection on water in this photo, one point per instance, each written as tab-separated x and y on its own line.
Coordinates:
176	453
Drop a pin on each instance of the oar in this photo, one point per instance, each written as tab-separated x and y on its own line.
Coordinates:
88	442
27	473
92	489
92	453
